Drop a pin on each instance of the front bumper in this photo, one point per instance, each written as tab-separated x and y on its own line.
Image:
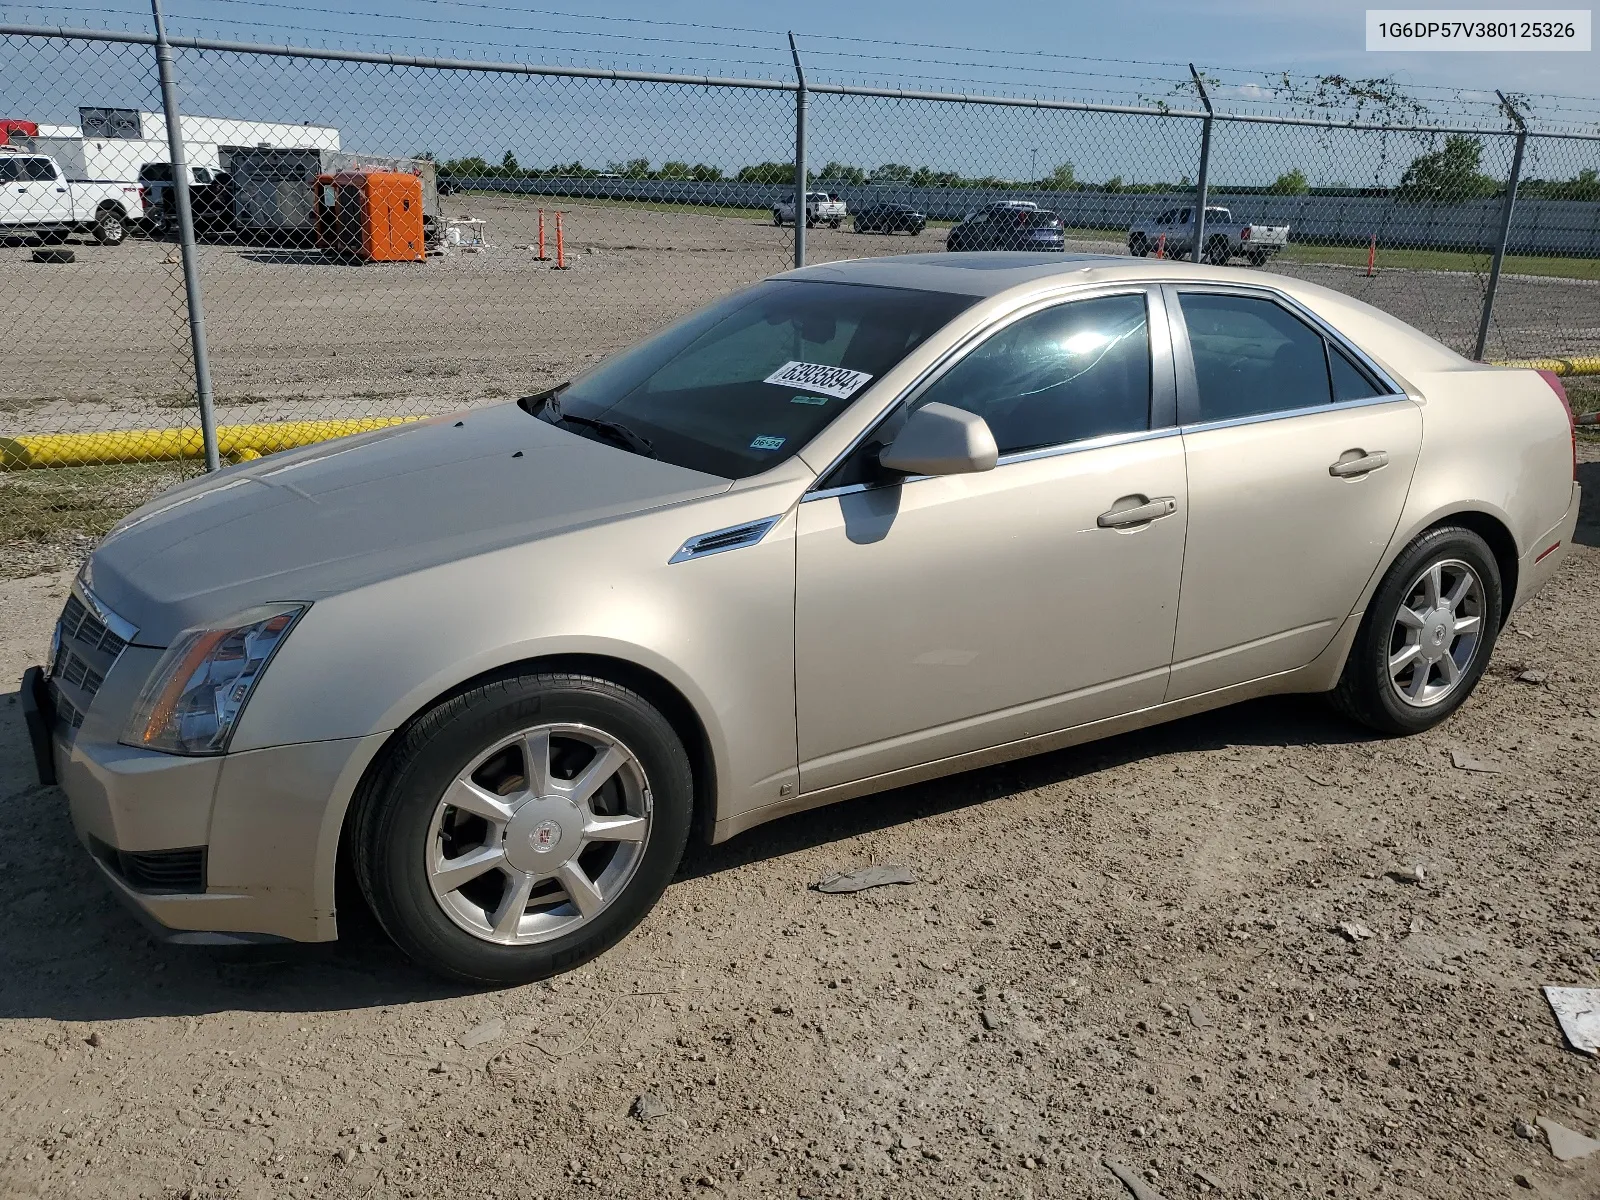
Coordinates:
234	848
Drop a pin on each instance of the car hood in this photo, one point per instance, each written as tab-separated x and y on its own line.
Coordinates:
327	518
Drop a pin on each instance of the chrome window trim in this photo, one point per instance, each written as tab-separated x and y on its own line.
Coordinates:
1104	442
758	529
1154	309
1288	414
1262	291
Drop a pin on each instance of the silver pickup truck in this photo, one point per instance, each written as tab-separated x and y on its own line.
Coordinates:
1172	234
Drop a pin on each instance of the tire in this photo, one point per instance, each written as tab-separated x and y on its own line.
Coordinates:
1368	692
403	827
1138	246
776	219
1218	252
110	227
833	224
54	238
1257	258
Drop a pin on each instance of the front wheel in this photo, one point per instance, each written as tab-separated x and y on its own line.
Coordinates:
833	224
524	827
776	219
1138	247
1218	252
1258	258
109	227
1427	635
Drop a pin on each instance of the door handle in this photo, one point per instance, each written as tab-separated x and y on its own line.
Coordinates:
1137	510
1362	464
61	189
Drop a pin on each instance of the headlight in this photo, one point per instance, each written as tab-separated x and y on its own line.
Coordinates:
193	698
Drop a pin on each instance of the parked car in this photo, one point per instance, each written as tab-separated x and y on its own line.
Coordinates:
890	218
1008	225
1172	232
822	208
210	197
858	525
36	199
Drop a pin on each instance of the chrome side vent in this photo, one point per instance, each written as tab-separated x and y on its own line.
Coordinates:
734	537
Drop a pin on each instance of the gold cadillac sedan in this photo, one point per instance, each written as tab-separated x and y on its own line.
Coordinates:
858	525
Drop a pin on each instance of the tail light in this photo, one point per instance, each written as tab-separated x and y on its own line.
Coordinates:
1244	234
1022	219
1560	390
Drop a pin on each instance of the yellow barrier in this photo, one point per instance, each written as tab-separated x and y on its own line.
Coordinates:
1560	366
235	442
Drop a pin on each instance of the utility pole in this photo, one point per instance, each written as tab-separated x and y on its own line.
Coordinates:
1505	224
1202	182
799	158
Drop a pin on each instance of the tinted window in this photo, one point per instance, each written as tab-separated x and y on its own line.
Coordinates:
156	172
201	175
1350	382
698	391
1252	356
41	169
10	170
1071	372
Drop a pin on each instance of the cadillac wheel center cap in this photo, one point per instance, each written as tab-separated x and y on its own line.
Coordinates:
544	837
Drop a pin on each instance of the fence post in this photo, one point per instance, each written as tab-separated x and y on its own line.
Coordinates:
1505	224
1205	168
799	158
191	267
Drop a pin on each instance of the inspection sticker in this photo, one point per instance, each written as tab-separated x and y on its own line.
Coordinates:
839	382
767	443
808	400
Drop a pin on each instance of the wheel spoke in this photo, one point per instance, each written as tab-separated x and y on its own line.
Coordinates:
1467	625
1419	680
1409	618
1403	658
1433	585
626	828
1459	592
468	797
585	895
1449	669
508	915
536	761
452	873
601	768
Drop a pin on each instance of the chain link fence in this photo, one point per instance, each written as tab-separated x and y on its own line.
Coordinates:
383	237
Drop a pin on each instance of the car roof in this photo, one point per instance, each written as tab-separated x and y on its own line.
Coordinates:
990	273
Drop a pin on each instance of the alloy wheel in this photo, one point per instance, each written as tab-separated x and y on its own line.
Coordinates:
539	834
1436	633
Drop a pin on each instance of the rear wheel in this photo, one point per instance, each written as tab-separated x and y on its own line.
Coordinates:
524	827
1138	246
1427	635
1257	257
776	219
1217	252
109	227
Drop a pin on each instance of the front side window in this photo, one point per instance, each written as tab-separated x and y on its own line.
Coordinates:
10	170
39	170
1252	356
1071	372
740	386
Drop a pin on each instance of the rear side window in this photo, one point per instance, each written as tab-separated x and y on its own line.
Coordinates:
1350	382
1071	372
1252	356
10	170
156	172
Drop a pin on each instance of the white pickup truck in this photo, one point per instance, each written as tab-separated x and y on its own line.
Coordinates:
1172	233
822	208
37	200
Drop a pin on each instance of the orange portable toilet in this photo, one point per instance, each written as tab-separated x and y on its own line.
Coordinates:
373	216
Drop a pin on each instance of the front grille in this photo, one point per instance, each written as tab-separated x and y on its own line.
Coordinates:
172	872
86	649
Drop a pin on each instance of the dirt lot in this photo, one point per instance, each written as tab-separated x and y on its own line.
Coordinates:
294	336
1124	951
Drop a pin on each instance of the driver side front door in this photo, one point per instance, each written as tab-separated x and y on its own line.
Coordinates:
941	615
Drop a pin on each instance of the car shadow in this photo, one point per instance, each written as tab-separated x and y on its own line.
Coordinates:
70	952
1588	531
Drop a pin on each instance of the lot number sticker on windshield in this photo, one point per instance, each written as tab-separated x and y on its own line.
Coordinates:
839	382
767	443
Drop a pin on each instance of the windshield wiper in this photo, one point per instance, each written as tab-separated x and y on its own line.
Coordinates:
617	432
547	407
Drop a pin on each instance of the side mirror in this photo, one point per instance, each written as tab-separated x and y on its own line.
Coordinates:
939	439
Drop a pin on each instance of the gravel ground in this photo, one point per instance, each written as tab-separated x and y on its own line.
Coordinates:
1125	950
293	336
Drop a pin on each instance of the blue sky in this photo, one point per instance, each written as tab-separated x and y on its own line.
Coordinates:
1128	53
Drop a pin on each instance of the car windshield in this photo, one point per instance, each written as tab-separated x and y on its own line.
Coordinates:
738	387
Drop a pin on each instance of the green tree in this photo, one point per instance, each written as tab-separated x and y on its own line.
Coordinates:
892	173
767	172
1114	184
508	164
1290	183
1448	176
1063	177
705	173
842	173
675	170
636	168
